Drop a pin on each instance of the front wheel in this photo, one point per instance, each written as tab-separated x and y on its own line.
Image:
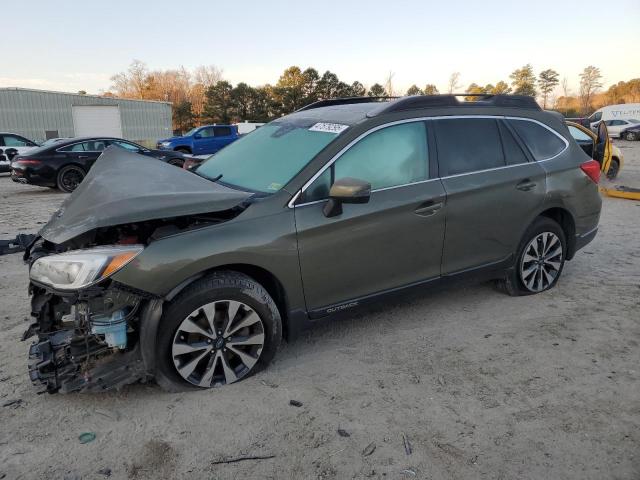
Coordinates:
219	330
631	136
69	178
176	162
539	260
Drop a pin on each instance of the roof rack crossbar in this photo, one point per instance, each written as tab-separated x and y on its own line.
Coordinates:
451	100
343	101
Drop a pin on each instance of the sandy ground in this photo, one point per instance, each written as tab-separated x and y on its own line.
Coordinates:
481	384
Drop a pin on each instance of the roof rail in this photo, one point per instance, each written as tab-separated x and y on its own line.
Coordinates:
451	100
344	101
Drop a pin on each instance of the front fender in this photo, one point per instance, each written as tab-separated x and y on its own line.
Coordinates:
268	242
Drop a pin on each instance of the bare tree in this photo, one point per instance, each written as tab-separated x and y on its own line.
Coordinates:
203	78
590	84
133	82
454	82
388	84
566	91
207	75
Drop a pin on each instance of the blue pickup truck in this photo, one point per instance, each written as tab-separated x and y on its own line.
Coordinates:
201	140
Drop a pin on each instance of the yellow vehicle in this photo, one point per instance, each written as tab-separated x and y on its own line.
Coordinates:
599	147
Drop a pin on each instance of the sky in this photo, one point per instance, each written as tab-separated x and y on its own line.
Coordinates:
78	45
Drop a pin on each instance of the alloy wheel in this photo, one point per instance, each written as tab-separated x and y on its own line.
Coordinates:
71	179
217	344
541	262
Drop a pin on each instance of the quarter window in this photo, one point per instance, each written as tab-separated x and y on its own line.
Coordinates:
468	145
388	157
540	141
513	154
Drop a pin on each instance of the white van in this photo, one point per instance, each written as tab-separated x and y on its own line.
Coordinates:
248	127
624	111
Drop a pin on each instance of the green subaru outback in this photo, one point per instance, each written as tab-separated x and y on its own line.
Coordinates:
148	271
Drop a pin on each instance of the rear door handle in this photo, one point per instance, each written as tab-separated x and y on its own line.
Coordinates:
428	208
526	185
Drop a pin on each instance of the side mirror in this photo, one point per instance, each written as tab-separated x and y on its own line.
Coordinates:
346	190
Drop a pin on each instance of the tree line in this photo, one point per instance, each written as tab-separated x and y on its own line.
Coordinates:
203	96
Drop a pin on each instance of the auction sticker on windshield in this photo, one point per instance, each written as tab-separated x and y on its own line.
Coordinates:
328	127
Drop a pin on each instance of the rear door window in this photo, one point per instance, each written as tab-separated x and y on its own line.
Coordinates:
579	135
541	142
92	146
222	131
468	145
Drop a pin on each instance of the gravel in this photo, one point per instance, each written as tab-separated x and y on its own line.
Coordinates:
484	385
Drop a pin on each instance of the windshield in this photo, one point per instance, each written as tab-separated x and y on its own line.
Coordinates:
191	132
51	141
268	158
634	120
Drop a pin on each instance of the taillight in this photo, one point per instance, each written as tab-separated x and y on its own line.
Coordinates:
591	170
27	161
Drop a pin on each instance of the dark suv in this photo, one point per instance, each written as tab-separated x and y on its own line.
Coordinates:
149	271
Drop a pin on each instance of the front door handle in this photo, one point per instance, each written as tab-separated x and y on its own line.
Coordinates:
427	209
526	185
83	156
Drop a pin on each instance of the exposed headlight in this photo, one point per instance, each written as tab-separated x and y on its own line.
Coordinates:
165	144
80	268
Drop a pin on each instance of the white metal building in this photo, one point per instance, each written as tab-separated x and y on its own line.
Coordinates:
39	115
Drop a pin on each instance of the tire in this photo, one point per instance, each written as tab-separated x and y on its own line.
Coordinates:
69	177
195	357
630	136
183	150
614	168
176	162
517	281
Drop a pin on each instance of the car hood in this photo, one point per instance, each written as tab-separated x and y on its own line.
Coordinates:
171	139
124	187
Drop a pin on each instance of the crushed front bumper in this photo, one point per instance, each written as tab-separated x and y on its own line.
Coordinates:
52	363
68	356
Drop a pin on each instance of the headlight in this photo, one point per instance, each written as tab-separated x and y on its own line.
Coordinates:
80	268
165	144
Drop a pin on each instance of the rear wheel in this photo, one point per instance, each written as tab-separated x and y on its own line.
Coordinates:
539	260
221	329
614	168
69	178
631	136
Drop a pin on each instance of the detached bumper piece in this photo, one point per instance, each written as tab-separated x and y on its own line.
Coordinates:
18	244
65	364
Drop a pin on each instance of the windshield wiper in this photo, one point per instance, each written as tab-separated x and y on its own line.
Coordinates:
213	179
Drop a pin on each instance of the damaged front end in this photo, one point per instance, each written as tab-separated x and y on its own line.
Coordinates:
87	341
93	333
